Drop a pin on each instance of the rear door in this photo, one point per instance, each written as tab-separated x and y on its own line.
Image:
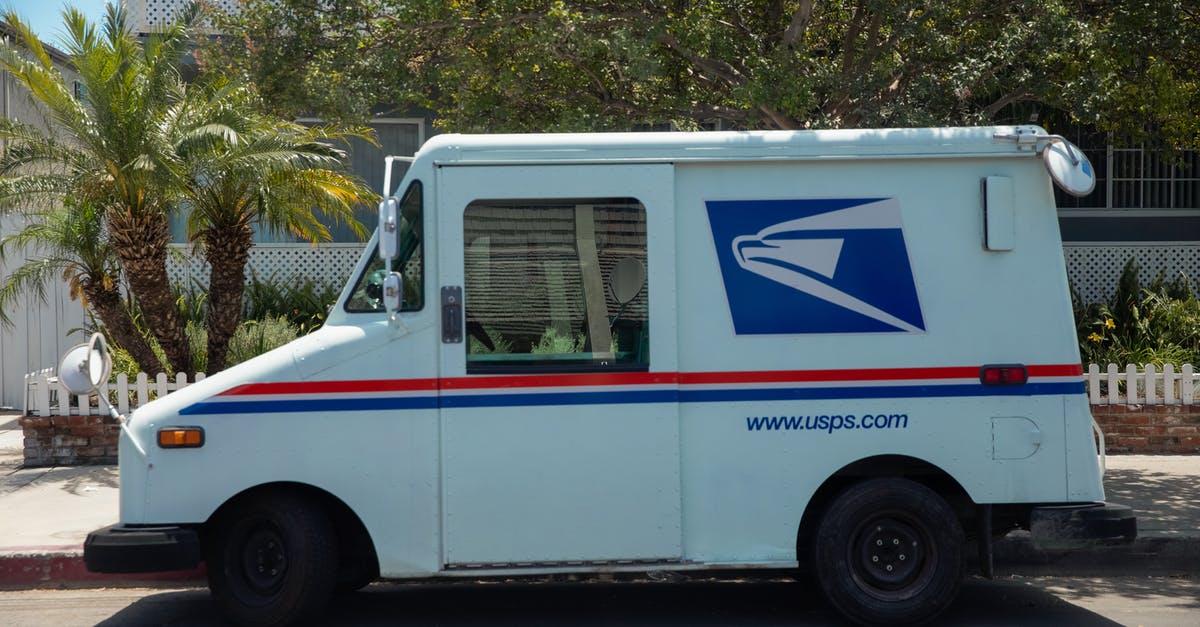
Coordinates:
560	429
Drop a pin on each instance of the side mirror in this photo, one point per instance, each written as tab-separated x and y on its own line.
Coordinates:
393	292
87	366
389	225
627	279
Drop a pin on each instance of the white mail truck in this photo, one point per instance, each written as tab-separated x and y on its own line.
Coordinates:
845	351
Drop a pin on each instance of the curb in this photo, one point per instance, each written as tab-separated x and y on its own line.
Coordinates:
52	567
1015	554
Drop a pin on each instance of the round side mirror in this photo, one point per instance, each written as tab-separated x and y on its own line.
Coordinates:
86	366
627	279
1069	168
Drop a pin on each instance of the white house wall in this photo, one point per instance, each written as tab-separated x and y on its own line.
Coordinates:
39	334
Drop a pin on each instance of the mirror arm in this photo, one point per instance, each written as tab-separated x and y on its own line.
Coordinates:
1066	144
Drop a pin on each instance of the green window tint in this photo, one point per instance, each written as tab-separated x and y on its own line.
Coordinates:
368	290
555	285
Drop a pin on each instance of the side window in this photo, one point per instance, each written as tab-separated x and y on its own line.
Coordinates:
556	285
368	289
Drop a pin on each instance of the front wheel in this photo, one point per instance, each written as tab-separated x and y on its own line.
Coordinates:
889	551
273	561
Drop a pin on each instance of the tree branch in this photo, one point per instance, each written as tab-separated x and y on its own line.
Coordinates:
1005	100
720	69
799	24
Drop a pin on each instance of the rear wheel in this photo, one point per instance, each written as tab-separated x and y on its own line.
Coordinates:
889	551
274	561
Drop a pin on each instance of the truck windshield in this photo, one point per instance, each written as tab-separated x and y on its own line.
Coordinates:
367	296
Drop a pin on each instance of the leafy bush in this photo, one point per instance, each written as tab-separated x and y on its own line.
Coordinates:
255	337
1157	324
304	304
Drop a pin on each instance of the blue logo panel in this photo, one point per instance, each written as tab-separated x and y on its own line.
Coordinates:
822	265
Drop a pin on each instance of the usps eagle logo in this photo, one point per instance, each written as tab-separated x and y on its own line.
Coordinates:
824	265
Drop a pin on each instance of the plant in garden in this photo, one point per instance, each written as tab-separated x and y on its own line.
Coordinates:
1158	324
143	143
304	302
72	245
265	172
111	151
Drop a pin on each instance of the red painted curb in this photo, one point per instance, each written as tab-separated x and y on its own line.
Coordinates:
49	569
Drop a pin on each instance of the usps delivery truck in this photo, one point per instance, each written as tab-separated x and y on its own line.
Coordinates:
845	351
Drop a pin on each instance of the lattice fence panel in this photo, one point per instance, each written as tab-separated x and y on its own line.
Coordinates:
328	264
152	15
1094	268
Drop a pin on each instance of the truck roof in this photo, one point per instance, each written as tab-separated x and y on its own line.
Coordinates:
956	142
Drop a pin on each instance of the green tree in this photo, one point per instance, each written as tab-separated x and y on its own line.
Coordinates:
1143	83
110	150
72	245
495	65
262	172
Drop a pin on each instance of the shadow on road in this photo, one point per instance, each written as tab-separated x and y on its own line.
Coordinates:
1166	504
695	603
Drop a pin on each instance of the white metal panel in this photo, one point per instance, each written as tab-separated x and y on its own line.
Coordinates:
563	482
746	488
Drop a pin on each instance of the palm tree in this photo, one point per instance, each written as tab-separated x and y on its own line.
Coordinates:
71	242
267	173
115	154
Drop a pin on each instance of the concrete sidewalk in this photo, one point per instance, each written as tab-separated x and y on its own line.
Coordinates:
46	513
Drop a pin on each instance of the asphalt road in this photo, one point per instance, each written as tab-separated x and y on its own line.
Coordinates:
1038	601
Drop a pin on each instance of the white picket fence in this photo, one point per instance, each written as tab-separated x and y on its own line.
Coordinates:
45	395
1143	386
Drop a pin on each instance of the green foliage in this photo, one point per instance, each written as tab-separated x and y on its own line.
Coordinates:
255	337
548	65
252	338
553	342
500	345
144	143
303	303
1157	324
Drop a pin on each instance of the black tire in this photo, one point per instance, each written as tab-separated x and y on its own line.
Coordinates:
273	561
889	551
355	576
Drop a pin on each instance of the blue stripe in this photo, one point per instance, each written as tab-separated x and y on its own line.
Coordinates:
627	397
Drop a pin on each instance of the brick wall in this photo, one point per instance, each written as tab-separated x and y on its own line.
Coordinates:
70	440
1150	429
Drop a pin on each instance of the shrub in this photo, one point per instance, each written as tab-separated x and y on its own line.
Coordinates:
1156	324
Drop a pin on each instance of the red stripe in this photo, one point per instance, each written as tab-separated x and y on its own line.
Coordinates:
632	378
1065	370
331	387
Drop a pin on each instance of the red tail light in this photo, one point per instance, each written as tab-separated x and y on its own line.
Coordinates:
1004	374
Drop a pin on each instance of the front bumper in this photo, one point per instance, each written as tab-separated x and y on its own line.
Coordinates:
120	549
1079	525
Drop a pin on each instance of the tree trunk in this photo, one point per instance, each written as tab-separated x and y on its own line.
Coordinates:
141	242
227	250
115	318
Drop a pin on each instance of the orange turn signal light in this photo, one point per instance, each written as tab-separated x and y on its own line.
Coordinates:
181	437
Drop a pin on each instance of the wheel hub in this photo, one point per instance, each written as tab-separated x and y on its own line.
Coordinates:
264	561
891	554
